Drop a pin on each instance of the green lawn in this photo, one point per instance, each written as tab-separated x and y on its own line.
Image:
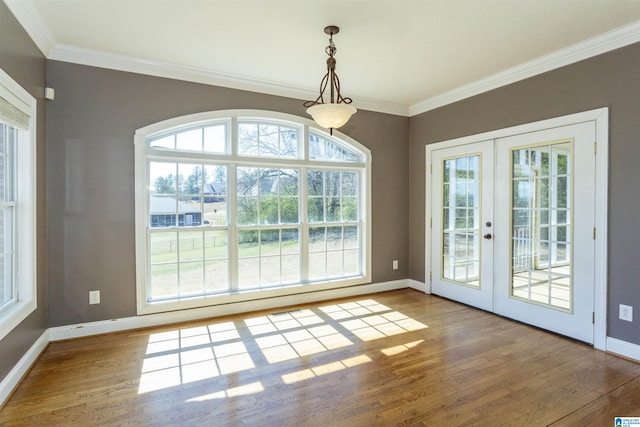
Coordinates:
203	256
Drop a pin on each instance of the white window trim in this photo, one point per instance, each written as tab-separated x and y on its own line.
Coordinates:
26	249
141	179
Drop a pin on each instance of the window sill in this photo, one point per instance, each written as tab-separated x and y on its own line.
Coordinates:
14	316
242	296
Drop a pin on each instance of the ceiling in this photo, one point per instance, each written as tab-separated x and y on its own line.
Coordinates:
397	56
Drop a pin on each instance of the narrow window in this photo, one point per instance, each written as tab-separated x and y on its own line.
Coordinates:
17	204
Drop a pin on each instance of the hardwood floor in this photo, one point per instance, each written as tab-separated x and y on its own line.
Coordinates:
394	358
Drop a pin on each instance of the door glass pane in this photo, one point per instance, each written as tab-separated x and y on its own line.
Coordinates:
541	212
461	220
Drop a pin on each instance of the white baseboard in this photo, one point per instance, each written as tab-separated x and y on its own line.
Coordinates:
419	286
623	348
13	378
145	321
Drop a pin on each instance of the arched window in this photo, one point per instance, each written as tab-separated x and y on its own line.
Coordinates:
238	205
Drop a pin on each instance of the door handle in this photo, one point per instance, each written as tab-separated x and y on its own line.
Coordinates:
488	236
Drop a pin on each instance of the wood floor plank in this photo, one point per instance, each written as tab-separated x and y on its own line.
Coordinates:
394	358
621	402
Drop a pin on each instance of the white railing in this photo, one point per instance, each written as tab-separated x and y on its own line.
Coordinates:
522	248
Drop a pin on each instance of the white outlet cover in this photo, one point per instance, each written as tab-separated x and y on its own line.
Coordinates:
94	297
626	312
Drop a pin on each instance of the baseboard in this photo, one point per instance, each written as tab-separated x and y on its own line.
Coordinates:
148	320
419	286
623	348
13	378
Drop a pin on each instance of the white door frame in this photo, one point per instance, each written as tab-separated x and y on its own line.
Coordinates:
601	144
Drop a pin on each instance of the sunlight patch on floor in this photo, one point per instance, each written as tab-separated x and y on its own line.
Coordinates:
290	335
392	351
367	325
192	354
201	353
243	390
306	374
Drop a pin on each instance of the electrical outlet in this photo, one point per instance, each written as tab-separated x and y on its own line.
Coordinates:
94	297
395	264
626	313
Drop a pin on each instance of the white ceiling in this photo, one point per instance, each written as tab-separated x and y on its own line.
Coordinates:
396	56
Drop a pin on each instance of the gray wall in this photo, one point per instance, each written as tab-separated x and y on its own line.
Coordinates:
609	80
90	168
20	58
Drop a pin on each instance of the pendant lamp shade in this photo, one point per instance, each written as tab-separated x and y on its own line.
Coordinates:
331	116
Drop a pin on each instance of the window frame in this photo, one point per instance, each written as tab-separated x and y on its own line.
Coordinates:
302	162
25	215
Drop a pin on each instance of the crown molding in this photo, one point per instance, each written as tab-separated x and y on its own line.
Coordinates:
27	15
96	58
597	45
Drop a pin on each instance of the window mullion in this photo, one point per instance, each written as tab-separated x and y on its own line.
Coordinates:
13	275
233	138
178	269
304	221
177	225
304	143
232	236
232	206
10	196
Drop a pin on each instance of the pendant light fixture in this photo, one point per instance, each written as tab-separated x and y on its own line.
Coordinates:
337	110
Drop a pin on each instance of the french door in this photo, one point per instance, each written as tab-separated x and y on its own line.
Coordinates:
512	227
462	194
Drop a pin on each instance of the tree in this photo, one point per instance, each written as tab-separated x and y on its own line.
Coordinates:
165	185
193	184
268	140
221	175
